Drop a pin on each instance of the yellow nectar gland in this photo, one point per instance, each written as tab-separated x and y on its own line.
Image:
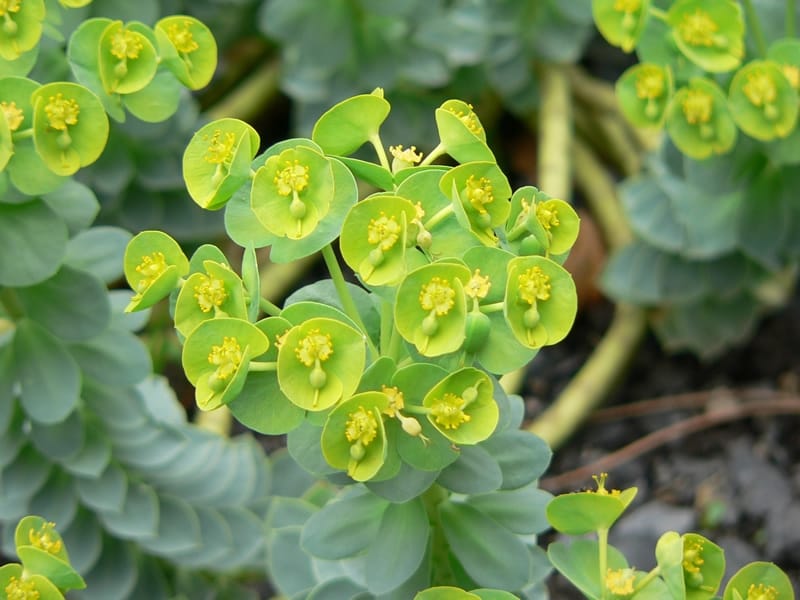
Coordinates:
220	148
14	115
448	411
761	592
314	347
792	73
479	193
627	6
151	268
61	112
692	556
601	490
437	296
697	107
126	44
181	37
547	216
534	284
21	590
226	357
210	293
44	540
383	231
650	83
620	581
361	427
396	400
470	119
698	29
478	285
9	6
409	155
760	88
293	178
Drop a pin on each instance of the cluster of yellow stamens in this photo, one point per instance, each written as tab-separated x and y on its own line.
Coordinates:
438	296
534	284
315	347
61	112
448	411
383	231
697	106
627	6
760	89
126	44
181	37
44	540
761	592
692	556
478	285
470	119
649	82
547	215
792	73
698	29
210	293
600	481
479	193
408	156
620	581
9	6
220	147
293	178
18	589
151	268
14	115
226	357
361	427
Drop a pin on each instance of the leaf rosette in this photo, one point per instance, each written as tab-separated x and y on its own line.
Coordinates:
188	49
216	357
543	225
354	436
461	133
153	264
374	236
42	551
710	33
431	308
621	22
217	160
699	120
763	101
759	580
540	301
21	28
70	126
348	125
480	193
127	59
216	292
644	91
292	192
320	363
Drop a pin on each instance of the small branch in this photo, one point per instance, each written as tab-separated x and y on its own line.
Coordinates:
248	99
555	132
754	24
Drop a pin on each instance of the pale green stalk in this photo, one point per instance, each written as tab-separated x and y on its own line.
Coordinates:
755	27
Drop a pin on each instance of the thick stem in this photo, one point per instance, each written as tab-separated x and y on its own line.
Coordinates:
248	99
441	570
269	307
602	559
433	155
754	25
440	215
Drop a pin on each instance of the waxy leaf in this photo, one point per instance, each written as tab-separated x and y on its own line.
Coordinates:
346	126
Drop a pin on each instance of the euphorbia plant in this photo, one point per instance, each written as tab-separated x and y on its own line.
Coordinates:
389	387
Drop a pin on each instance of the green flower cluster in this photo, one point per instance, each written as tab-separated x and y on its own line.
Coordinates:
461	279
691	78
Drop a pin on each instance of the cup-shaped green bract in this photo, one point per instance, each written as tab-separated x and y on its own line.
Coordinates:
74	3
42	551
127	60
462	406
699	120
70	126
552	223
292	192
584	512
17	113
762	101
216	356
154	264
431	308
188	49
480	193
786	53
540	301
217	292
461	132
21	27
710	33
346	126
354	436
703	566
14	585
320	363
373	240
759	580
644	91
217	160
621	22
6	143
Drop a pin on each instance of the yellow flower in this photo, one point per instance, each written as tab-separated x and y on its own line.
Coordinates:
760	89
470	119
547	216
210	293
479	193
21	590
14	115
361	427
43	538
9	6
448	411
437	296
314	347
226	357
383	231
649	83
761	592
181	37
692	556
151	268
126	44
396	400
697	106
620	581
292	179
220	148
61	111
534	284
698	29
478	285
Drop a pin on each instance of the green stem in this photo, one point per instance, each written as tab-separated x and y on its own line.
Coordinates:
262	366
375	140
647	579
269	307
22	135
493	307
248	99
441	569
755	26
658	13
348	304
602	546
433	155
439	217
790	17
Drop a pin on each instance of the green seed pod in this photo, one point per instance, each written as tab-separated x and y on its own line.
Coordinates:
477	331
